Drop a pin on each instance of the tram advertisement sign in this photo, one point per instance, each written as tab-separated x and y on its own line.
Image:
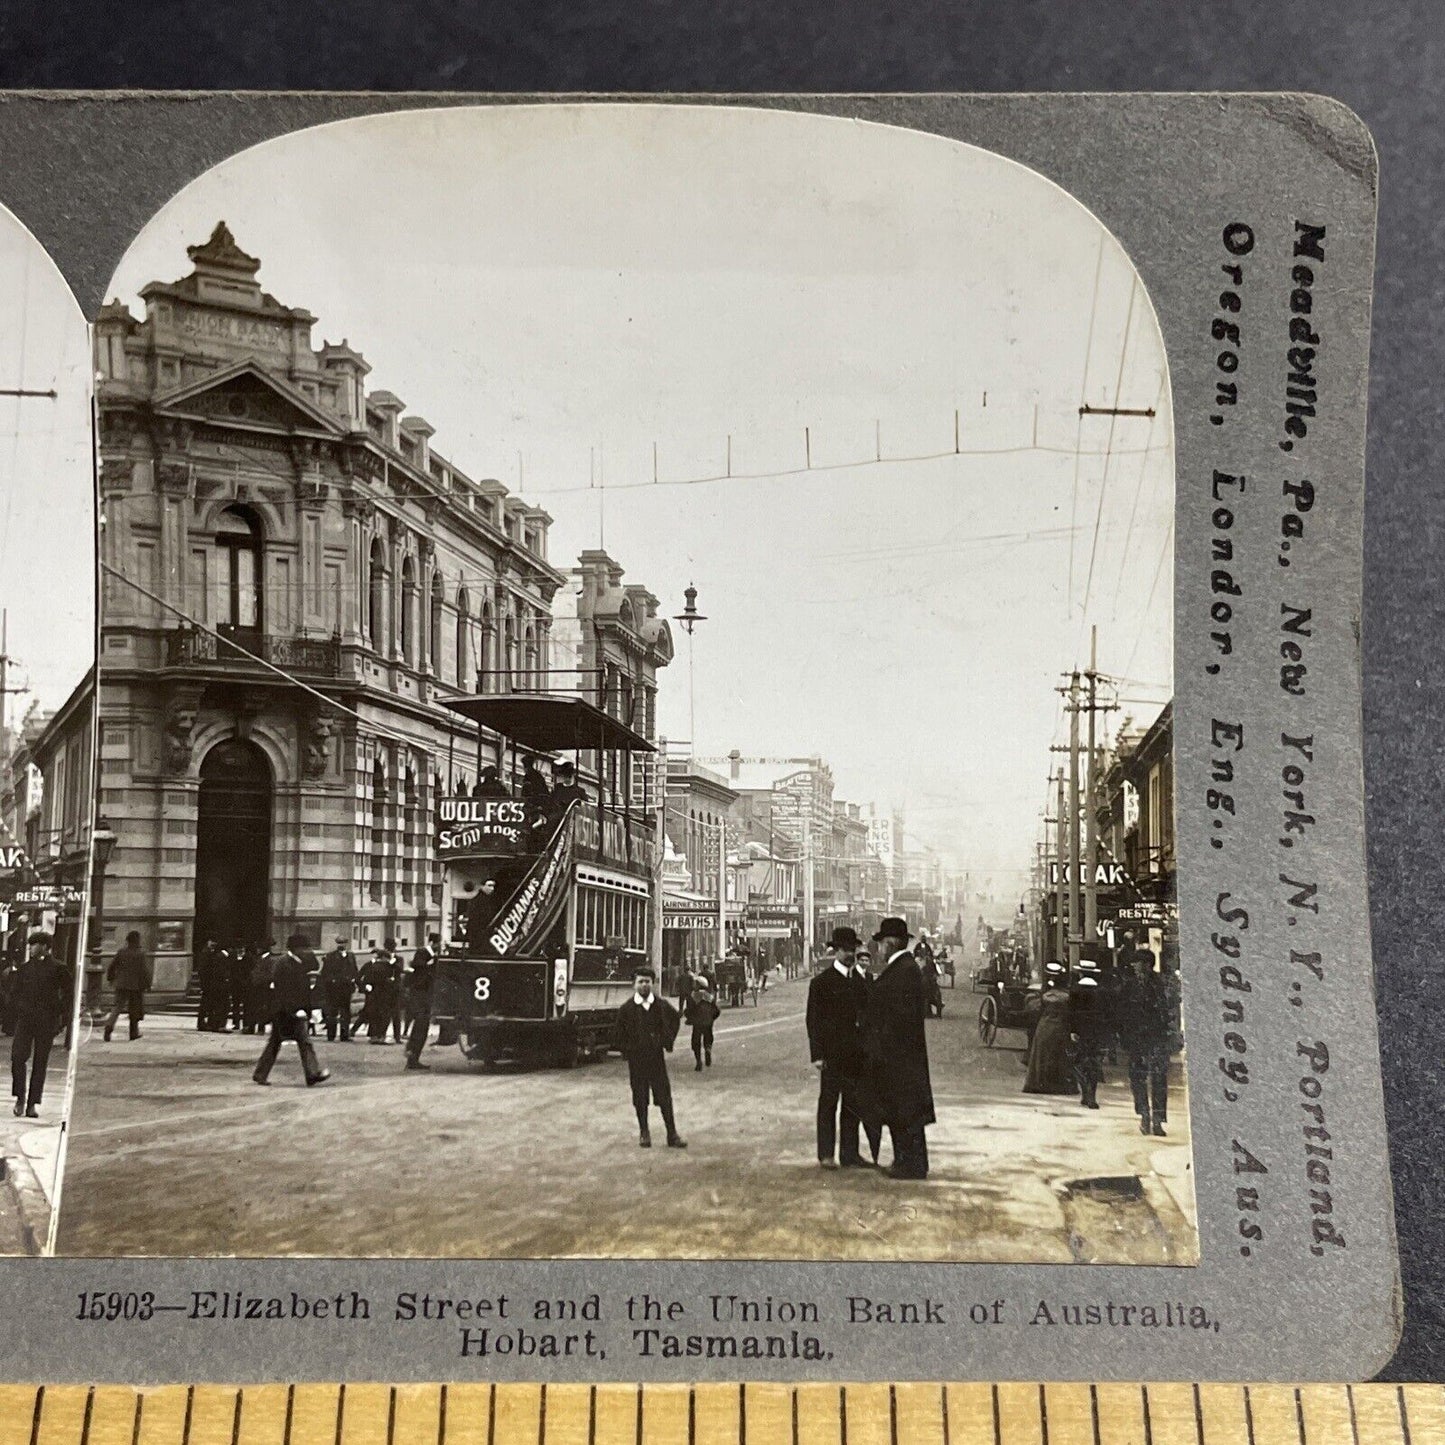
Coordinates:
523	926
467	827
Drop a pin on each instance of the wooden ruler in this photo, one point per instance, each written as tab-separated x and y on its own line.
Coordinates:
973	1414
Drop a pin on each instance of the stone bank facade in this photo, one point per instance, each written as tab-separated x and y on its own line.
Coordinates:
295	579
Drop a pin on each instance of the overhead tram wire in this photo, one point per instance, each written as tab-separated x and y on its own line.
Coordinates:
1109	447
1079	430
1139	491
1153	587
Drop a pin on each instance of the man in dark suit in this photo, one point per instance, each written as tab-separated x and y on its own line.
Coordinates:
835	998
130	975
419	979
646	1031
213	973
338	983
897	1051
863	981
290	1012
39	997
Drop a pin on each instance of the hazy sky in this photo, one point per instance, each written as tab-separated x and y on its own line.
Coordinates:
47	513
559	289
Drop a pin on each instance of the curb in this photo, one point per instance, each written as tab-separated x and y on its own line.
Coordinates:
23	1198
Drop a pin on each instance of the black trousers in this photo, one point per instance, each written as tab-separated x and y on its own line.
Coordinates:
650	1083
910	1149
238	1006
1149	1079
284	1027
1089	1070
337	1015
131	1001
701	1041
419	1007
837	1096
31	1045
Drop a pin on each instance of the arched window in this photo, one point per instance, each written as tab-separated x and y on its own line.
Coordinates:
509	650
376	596
239	541
409	639
529	657
378	829
487	650
408	834
464	629
434	631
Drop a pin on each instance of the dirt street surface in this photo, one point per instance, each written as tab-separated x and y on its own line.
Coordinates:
175	1151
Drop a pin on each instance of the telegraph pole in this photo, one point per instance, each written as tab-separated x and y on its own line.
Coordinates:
661	855
1075	899
1091	844
808	922
1060	936
722	890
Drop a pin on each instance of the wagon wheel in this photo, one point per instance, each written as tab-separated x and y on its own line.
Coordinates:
988	1020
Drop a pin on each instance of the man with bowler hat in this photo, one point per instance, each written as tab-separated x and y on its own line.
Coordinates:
646	1031
897	1051
835	996
40	998
290	1012
339	975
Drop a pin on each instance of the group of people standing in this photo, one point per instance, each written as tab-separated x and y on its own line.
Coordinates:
866	1038
292	985
1126	1005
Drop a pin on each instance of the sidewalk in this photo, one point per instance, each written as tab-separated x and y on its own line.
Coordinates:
28	1153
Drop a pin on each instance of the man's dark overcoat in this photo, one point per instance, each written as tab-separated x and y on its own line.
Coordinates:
896	1046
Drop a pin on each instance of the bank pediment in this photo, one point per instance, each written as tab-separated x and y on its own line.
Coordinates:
248	396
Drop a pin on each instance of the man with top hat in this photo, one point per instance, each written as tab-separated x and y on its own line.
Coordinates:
896	1049
835	998
867	1109
645	1033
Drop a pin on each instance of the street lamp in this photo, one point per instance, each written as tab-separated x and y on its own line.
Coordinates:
102	846
688	619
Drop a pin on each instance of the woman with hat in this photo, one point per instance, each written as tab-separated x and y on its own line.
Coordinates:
897	1051
1049	1071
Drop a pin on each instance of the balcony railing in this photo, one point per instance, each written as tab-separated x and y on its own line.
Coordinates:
317	655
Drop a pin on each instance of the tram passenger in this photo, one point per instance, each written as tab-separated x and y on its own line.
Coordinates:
567	789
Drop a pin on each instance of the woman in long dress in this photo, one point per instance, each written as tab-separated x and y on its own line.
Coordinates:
1049	1071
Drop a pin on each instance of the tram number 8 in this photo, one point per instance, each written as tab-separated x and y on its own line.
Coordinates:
482	990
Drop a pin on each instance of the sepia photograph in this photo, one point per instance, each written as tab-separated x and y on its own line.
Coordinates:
47	645
634	706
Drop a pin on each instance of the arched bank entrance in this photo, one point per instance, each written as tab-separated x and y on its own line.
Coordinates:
233	845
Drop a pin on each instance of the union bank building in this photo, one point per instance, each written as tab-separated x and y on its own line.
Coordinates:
294	581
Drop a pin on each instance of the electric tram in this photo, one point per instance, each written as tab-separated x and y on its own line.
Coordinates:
550	892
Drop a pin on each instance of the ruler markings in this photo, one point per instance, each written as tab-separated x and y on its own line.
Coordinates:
1425	1406
1008	1413
1071	1414
662	1415
1377	1412
864	1417
718	1414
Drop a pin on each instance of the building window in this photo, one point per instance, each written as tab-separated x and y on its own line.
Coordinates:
408	613
434	645
376	596
378	829
408	836
239	541
464	628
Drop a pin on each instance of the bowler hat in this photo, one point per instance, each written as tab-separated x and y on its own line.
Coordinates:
844	937
893	928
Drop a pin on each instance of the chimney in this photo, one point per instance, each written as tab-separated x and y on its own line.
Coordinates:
735	765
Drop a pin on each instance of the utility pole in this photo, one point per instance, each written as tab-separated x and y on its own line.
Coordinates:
1091	844
1060	936
661	855
808	923
722	890
1075	900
